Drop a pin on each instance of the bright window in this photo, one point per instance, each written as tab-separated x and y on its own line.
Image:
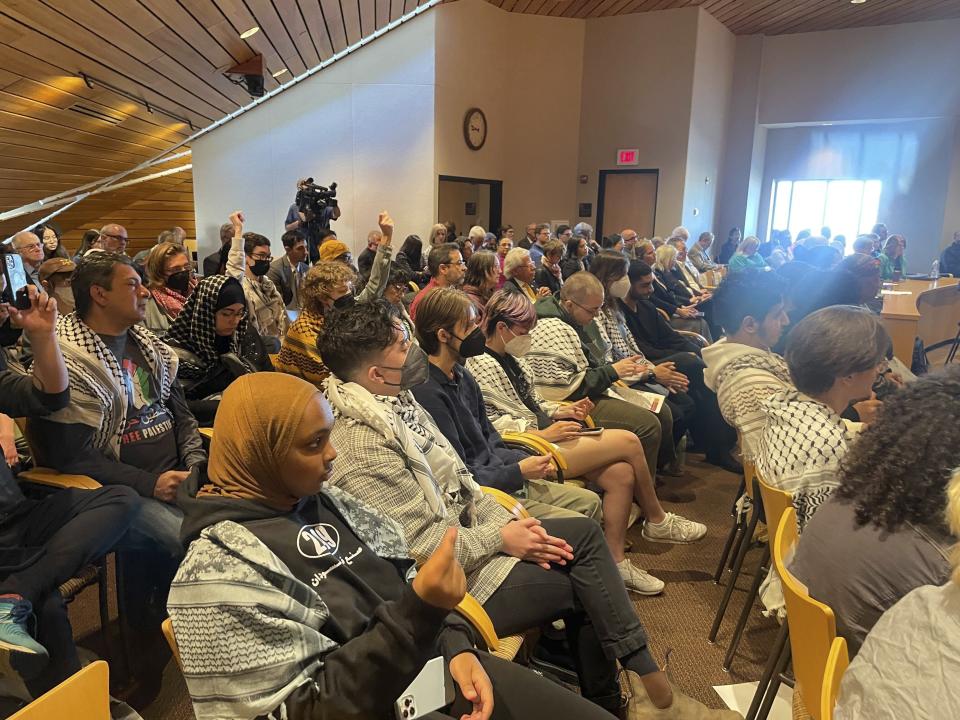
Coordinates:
847	207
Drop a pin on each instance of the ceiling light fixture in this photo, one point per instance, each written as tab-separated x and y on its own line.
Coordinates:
254	30
857	2
279	72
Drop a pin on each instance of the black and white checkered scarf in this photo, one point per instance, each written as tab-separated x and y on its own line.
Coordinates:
90	364
195	327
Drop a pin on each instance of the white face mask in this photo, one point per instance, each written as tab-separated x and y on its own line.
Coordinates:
518	346
621	288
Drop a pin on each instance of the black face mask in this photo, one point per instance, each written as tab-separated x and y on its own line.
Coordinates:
260	267
179	281
473	344
344	301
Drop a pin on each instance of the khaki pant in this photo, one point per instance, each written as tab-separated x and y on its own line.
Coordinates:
546	499
655	430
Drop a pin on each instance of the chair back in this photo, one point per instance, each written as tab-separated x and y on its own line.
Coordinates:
813	627
85	695
775	501
837	662
167	627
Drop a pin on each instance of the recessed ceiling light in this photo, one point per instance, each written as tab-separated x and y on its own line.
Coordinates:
254	30
857	2
280	72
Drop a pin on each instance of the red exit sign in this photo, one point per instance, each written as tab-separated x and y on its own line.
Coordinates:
628	156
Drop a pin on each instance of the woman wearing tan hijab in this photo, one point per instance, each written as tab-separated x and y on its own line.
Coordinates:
293	597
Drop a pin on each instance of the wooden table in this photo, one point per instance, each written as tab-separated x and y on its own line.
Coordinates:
930	311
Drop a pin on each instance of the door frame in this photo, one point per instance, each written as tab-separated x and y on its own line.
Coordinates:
496	197
602	186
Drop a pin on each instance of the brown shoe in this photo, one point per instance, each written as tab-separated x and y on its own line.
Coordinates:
639	706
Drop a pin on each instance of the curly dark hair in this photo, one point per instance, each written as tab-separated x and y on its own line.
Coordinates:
898	470
353	335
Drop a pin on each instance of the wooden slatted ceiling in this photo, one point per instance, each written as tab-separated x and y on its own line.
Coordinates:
57	133
746	17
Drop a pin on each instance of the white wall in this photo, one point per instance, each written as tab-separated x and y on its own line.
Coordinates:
524	72
912	159
638	73
867	83
711	95
889	72
365	122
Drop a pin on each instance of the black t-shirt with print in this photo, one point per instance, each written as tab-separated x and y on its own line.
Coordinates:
322	551
149	441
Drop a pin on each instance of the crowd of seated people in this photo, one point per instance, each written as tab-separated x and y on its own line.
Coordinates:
436	379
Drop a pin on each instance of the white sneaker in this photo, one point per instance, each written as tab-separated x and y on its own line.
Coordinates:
637	580
674	529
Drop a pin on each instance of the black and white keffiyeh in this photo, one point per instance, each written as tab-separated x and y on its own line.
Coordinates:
94	371
438	469
195	328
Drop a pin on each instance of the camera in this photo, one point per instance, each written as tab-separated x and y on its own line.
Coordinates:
312	200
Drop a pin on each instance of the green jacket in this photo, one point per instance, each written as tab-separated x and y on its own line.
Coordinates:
598	373
888	266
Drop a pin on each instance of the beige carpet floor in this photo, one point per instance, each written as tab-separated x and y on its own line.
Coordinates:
677	621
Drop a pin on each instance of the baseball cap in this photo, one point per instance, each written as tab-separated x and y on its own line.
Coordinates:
54	266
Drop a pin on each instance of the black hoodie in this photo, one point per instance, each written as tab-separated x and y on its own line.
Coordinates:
317	544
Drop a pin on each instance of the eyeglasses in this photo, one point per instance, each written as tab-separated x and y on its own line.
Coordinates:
120	238
29	246
592	311
262	257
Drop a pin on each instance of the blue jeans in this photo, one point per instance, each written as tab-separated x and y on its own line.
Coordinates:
155	530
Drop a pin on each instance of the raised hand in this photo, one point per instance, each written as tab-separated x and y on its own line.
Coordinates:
386	224
236	219
39	319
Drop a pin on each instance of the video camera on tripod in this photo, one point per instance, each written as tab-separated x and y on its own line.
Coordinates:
314	201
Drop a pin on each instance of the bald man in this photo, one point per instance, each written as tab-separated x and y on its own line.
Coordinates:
30	250
629	242
569	363
113	238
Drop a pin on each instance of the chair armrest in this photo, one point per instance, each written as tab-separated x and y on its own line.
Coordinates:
206	432
413	286
507	502
663	314
477	616
536	445
52	478
695	337
167	627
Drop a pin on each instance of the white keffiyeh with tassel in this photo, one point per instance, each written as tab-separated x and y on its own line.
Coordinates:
437	467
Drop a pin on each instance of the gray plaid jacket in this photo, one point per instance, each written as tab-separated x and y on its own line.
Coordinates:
375	470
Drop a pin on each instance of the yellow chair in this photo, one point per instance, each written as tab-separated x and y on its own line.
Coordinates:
813	627
837	662
508	502
84	695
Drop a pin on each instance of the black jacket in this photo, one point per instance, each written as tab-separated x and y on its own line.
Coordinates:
371	667
545	278
655	337
20	398
679	292
457	408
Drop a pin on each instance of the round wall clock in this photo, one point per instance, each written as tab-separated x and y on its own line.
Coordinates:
475	128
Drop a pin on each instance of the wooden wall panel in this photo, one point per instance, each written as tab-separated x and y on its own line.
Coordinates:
747	17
